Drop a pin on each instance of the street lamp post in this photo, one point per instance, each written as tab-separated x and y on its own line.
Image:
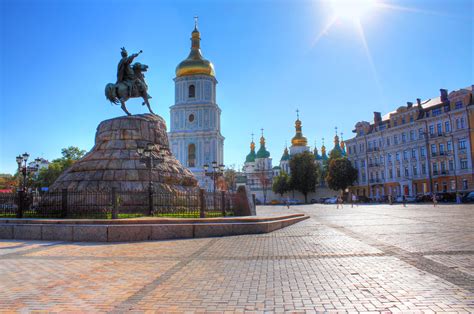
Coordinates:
217	171
23	170
148	156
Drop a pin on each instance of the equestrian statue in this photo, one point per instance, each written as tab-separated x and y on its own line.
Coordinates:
130	82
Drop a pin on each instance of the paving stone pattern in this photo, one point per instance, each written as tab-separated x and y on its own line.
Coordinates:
376	258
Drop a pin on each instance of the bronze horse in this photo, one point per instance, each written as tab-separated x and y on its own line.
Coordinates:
121	92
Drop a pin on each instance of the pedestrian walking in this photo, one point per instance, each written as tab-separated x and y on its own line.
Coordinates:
404	200
354	200
339	202
390	200
288	202
435	200
458	198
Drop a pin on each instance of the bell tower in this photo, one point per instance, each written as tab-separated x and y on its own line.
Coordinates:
195	129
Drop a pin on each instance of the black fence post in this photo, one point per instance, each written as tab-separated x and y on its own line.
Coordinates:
21	202
223	203
150	199
254	201
64	202
114	203
202	207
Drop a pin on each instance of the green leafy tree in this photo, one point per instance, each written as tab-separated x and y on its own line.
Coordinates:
7	181
304	173
281	183
341	174
47	176
230	176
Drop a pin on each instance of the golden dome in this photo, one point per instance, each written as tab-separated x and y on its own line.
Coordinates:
195	63
298	139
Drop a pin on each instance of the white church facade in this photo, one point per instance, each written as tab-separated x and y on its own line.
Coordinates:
195	129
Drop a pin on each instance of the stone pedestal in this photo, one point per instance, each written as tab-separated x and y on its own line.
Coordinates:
114	162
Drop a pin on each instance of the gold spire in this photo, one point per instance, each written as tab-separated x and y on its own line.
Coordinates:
336	138
323	148
195	62
252	144
262	139
298	139
343	144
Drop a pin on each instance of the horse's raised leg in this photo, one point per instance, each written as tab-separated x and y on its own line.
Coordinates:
147	103
124	108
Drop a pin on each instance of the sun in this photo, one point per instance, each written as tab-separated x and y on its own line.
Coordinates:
352	9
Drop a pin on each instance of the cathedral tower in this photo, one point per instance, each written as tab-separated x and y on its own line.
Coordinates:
195	129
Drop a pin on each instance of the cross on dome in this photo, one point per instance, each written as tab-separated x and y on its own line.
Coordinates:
196	21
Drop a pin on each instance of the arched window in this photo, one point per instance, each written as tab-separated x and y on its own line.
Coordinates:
192	91
191	155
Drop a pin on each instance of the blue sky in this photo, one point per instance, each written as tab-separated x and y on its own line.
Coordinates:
58	55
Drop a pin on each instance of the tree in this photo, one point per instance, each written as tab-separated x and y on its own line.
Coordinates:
47	176
264	178
230	176
281	183
7	181
341	174
304	173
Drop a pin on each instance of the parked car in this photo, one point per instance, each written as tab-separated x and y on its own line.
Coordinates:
446	197
331	200
313	201
322	200
363	199
468	198
274	202
423	198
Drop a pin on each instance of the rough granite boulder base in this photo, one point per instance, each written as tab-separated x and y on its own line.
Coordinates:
113	162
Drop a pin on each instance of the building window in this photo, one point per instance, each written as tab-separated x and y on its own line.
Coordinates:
464	184
463	163
439	129
431	128
420	134
458	124
389	157
191	118
443	167
441	149
415	170
398	172
447	127
462	123
445	187
462	144
433	149
451	165
435	168
453	185
412	135
423	168
191	155
404	137
436	112
449	146
411	118
406	172
397	156
388	141
458	105
413	153
422	151
405	155
191	91
395	139
390	173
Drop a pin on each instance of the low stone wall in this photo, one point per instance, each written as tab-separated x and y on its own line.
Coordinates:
127	230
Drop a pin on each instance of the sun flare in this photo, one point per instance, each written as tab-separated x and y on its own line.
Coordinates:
352	9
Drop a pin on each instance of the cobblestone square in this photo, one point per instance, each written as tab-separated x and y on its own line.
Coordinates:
370	258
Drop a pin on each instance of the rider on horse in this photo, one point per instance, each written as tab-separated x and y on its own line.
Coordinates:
126	75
